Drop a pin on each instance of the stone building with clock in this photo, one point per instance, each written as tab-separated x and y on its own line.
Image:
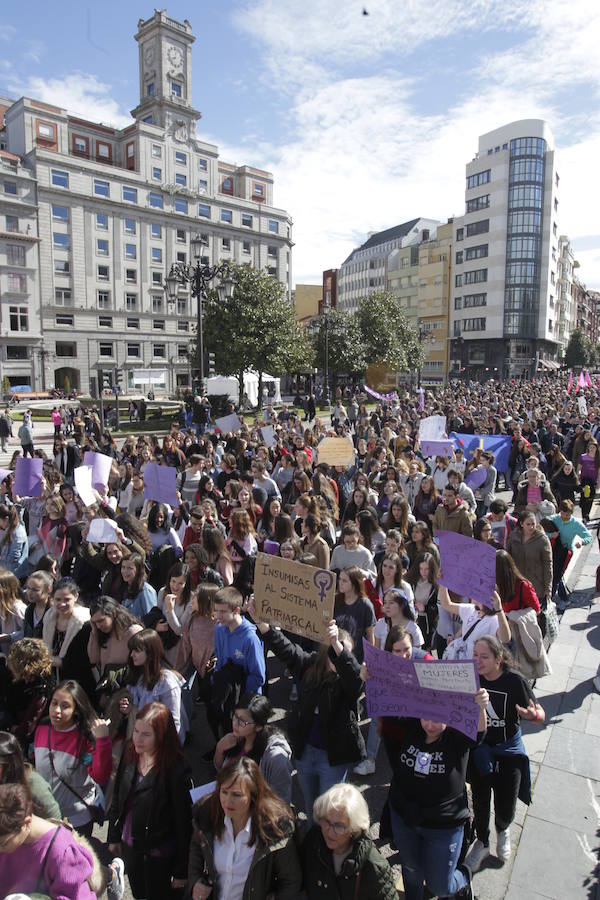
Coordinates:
92	217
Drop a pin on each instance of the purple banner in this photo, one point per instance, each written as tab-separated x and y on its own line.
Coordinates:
439	690
476	477
28	477
391	396
437	448
159	484
467	566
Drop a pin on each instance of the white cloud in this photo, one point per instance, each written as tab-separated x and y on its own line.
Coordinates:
79	93
361	155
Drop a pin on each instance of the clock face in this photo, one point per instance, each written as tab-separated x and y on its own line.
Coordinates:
149	55
175	57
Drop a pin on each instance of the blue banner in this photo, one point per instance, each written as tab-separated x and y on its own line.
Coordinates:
498	444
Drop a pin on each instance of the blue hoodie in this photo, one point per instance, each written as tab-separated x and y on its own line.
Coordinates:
243	647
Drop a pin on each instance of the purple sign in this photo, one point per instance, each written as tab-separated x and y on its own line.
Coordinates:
467	566
28	477
439	690
271	547
100	465
437	448
476	477
159	484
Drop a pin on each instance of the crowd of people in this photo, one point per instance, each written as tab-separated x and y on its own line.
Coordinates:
110	648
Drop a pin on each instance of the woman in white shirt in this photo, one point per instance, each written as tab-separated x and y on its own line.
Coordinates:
175	601
477	621
243	841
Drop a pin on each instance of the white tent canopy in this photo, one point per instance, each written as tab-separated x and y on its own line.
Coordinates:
228	386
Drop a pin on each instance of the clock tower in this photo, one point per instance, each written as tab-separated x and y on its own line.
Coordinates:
165	61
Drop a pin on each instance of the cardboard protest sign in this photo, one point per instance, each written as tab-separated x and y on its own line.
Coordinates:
83	485
100	466
467	566
434	689
228	423
102	531
437	448
336	451
159	484
297	597
268	435
28	477
476	477
432	428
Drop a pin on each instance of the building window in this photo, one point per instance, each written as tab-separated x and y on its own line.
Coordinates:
159	351
105	348
81	145
60	241
62	296
182	306
157	304
204	210
258	190
159	324
150	89
481	227
247	220
478	203
480	178
176	89
473	324
478	252
226	244
105	321
102	221
203	165
181	235
157	279
156	173
131	276
15	255
101	188
130	226
10	187
130	195
101	247
16	353
130	251
459	257
155	200
60	213
19	318
156	151
103	151
182	351
180	158
103	299
64	320
476	276
458	303
227	185
181	206
182	257
156	255
460	233
202	186
272	252
156	230
62	266
130	302
226	216
133	323
180	179
183	326
60	179
12	223
458	280
46	131
471	300
133	350
273	226
103	273
147	120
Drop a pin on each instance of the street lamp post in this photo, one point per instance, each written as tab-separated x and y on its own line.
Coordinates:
199	277
326	394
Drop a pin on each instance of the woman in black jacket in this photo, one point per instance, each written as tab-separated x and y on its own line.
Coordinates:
323	730
339	859
149	822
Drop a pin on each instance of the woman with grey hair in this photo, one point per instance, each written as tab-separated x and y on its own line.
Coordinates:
339	859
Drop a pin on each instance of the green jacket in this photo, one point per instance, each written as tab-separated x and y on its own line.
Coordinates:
274	871
365	865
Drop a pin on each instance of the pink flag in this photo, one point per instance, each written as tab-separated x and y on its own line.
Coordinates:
570	384
588	380
421	399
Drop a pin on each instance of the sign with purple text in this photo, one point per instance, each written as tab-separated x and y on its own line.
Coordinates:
159	484
467	566
28	477
297	597
439	690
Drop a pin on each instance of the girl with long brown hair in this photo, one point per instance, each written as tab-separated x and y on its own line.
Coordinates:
14	548
12	610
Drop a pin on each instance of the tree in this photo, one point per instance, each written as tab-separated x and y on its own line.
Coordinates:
256	329
577	352
346	350
386	334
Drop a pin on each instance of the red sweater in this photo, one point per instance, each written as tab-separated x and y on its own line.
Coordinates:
523	596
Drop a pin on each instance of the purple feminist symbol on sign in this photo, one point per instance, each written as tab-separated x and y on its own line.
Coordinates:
323	581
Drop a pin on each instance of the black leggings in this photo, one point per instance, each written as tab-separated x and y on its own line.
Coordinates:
504	782
149	876
586	502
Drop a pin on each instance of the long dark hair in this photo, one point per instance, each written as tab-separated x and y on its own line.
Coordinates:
153	527
397	560
84	713
507	575
167	745
319	671
120	615
270	818
149	641
500	651
11	513
390	521
132	590
413	576
180	570
367	525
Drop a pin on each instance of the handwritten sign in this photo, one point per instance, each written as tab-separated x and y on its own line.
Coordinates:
100	466
297	597
467	566
426	689
83	485
437	448
432	428
28	477
268	435
336	451
159	483
228	423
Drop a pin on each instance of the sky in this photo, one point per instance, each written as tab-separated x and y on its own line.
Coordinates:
366	121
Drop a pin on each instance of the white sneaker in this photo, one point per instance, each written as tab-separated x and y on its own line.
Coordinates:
116	888
476	855
366	767
503	848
